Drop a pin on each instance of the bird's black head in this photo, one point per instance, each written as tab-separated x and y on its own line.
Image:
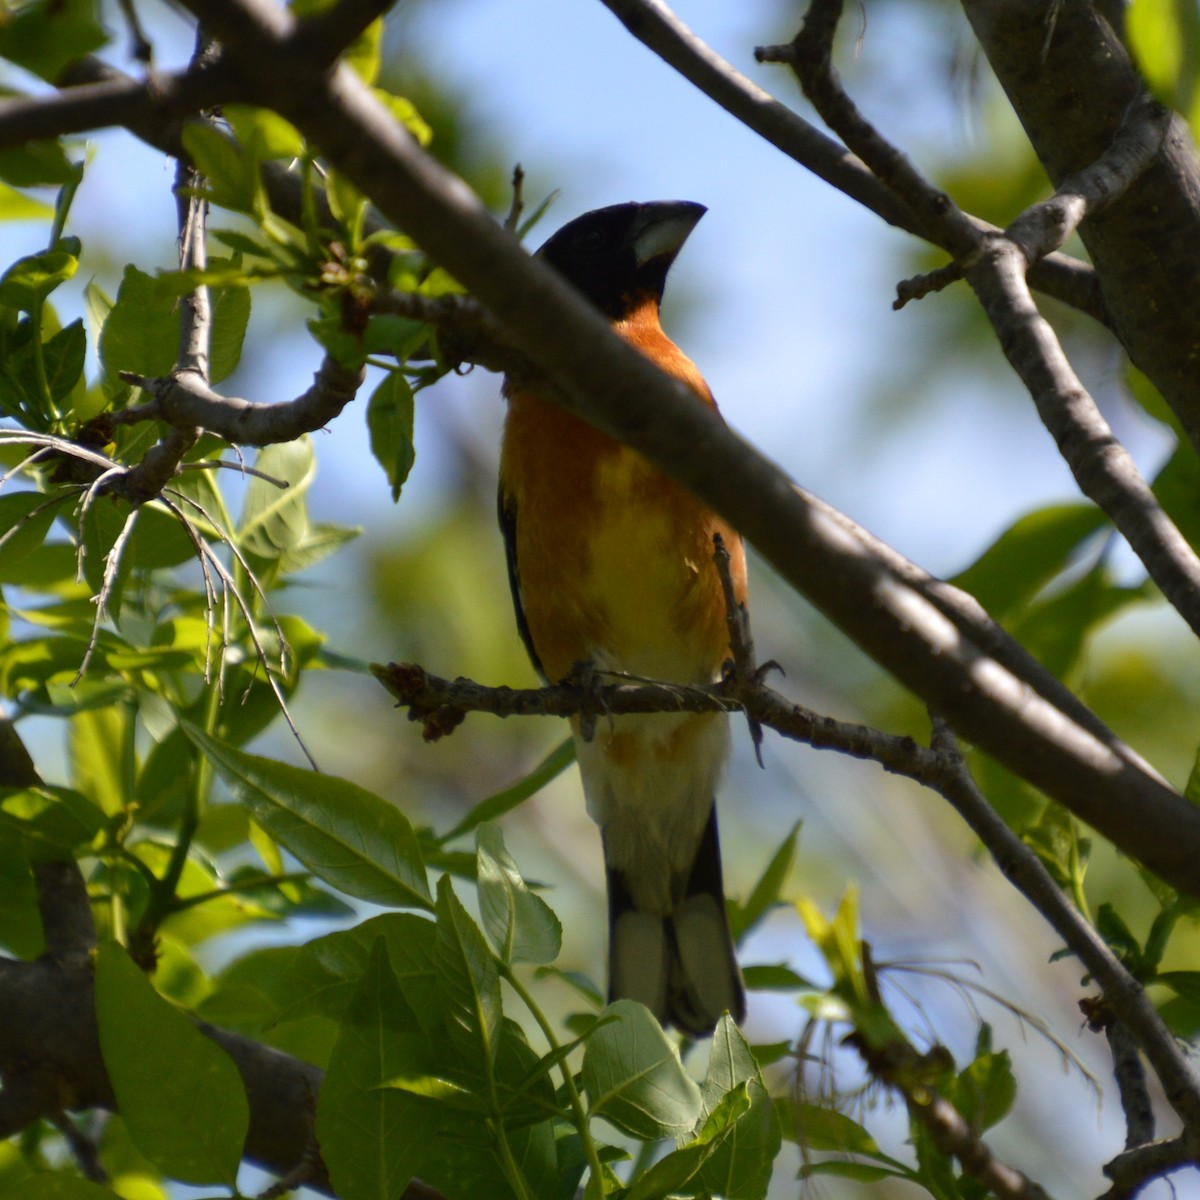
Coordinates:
617	256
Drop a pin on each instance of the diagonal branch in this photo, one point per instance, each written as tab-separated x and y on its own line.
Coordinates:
657	27
995	265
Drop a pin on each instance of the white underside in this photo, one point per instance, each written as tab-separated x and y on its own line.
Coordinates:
652	808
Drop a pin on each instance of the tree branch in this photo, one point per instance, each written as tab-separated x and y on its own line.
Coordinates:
995	266
660	30
1152	298
185	400
441	704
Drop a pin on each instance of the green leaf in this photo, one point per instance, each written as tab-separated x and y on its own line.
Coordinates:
230	315
349	837
230	172
1160	36
264	134
1027	555
54	820
766	893
63	1187
817	1127
373	1138
499	803
64	356
985	1090
470	979
36	164
141	333
405	112
634	1078
1056	628
325	972
860	1172
774	977
98	745
31	279
740	1167
44	36
178	1091
275	520
390	424
520	925
17	206
25	519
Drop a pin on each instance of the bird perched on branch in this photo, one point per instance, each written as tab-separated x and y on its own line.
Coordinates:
611	564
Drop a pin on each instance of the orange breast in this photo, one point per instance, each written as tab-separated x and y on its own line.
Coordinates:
615	559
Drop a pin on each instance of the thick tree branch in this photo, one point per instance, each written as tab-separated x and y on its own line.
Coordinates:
166	97
1133	1170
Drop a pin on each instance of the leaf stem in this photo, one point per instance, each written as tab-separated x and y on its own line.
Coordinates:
578	1111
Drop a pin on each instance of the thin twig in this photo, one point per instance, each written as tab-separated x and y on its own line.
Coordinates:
1130	1075
658	28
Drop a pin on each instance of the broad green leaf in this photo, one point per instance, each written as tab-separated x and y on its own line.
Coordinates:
249	993
774	977
818	1127
37	164
1056	628
141	333
230	315
349	837
325	972
63	1187
1027	555
520	925
98	742
681	1172
25	519
634	1078
64	356
390	424
230	172
740	1166
30	280
499	803
1177	489
860	1172
180	1094
53	820
43	36
469	978
17	206
264	134
374	1138
275	519
985	1090
766	893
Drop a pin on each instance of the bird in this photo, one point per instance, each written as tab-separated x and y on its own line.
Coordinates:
611	568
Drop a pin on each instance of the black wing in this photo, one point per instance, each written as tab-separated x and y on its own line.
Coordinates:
506	508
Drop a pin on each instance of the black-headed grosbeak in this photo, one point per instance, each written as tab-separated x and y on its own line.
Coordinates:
611	563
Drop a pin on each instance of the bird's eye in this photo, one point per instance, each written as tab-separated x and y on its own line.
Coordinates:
590	239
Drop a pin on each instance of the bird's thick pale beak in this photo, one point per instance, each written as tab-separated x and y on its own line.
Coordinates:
662	227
